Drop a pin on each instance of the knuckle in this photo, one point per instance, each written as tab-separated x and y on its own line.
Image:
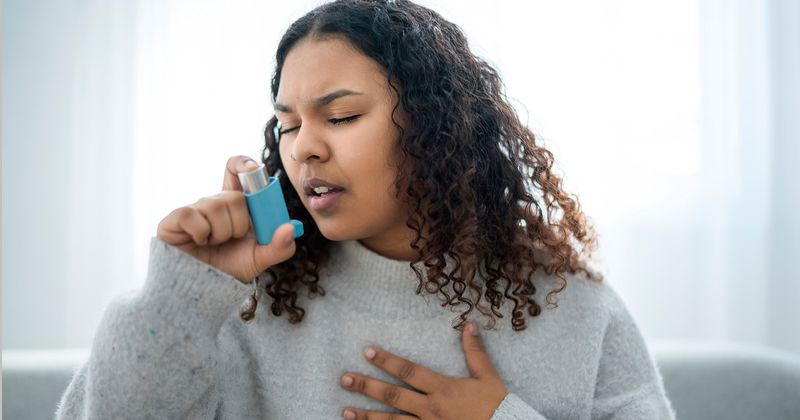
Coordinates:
391	394
446	389
446	392
232	161
475	346
235	200
182	212
360	384
380	358
186	217
211	204
407	370
434	409
231	196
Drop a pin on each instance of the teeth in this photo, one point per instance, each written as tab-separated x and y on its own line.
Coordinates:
321	190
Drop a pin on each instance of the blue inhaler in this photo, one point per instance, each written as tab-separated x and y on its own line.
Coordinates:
265	204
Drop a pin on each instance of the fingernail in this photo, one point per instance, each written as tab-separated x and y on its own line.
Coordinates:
347	381
349	415
369	352
473	328
250	164
288	241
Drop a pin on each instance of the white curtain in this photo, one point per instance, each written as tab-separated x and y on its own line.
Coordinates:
675	123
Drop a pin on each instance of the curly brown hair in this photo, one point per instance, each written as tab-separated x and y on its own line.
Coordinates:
484	202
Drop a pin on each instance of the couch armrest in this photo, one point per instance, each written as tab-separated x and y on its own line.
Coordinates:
729	380
34	380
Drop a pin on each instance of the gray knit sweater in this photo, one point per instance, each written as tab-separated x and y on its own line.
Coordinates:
178	349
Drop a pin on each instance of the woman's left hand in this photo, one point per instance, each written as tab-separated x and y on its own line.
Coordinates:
435	396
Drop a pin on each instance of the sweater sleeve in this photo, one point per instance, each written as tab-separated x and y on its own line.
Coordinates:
154	354
513	408
628	384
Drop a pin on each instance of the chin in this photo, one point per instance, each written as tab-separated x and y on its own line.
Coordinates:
335	233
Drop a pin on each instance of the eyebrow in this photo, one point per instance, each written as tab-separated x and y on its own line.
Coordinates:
321	101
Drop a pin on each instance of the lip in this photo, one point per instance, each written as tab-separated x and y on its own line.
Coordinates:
311	183
326	201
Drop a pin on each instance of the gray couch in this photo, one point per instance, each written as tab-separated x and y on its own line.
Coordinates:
703	380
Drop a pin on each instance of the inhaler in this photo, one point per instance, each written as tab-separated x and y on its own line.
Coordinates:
265	204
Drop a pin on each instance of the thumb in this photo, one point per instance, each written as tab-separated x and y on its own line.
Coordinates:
280	249
478	361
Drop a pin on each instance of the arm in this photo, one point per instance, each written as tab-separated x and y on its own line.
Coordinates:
628	384
154	354
513	408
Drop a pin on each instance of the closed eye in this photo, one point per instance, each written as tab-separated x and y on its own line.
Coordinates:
335	121
343	120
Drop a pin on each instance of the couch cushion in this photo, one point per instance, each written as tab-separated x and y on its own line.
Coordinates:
33	380
723	380
703	380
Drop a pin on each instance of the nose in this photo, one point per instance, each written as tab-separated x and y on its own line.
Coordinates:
309	144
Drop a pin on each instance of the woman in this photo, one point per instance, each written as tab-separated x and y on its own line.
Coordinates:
437	189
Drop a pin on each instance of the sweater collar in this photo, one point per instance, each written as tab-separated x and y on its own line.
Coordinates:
368	282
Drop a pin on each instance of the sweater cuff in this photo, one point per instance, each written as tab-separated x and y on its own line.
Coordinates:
513	408
185	288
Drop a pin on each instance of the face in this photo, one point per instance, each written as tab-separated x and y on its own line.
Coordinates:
348	140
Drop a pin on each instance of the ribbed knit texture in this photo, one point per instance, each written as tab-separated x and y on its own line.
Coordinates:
178	349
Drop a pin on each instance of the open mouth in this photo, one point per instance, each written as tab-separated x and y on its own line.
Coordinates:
323	193
324	201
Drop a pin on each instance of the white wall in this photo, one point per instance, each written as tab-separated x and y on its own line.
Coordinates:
675	123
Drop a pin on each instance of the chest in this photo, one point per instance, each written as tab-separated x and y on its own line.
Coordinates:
286	369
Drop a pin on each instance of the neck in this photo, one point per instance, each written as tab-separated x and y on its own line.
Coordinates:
399	251
394	244
376	285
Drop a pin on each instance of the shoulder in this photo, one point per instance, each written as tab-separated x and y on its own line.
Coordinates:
579	317
582	297
599	310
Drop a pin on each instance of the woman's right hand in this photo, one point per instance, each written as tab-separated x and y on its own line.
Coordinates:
217	230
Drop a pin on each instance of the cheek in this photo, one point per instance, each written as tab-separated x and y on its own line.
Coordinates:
380	191
282	151
289	169
286	159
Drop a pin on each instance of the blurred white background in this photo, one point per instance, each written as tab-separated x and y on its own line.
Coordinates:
676	123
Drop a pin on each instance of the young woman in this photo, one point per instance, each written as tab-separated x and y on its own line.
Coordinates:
443	211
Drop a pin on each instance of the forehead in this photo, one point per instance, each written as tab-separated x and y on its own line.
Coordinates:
315	67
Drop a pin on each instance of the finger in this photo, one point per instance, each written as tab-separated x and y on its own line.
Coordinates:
235	165
414	374
237	209
390	394
184	222
216	212
359	414
478	361
280	248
